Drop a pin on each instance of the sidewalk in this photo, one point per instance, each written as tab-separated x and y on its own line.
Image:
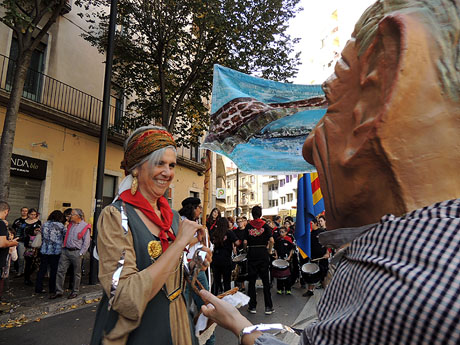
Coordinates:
306	316
20	304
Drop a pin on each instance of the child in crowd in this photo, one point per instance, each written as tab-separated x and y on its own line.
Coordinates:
284	249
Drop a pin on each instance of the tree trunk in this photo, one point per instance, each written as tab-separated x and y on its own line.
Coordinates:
9	126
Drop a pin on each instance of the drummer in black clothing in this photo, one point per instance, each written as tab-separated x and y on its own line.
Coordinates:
240	233
318	252
259	241
284	249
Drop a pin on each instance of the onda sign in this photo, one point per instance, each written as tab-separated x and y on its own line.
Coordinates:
28	167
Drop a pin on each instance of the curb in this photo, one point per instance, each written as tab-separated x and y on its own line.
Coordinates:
23	315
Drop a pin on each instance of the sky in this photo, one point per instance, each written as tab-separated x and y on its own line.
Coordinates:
314	23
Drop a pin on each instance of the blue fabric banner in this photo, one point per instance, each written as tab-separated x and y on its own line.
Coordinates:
260	124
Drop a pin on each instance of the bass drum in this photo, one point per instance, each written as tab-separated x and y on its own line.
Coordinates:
311	273
240	273
280	269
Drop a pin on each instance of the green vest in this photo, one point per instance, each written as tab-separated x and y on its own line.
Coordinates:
154	326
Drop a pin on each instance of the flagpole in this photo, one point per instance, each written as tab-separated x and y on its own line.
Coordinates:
207	177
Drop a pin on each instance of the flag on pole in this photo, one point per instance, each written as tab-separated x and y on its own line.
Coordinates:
310	203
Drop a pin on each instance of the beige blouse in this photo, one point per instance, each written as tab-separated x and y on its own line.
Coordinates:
134	287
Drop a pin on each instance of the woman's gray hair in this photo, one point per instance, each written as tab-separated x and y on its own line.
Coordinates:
154	157
80	213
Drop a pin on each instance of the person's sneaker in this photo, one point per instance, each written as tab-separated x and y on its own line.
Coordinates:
269	311
279	292
288	292
252	310
308	293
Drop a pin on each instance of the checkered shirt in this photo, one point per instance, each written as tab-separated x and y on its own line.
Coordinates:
399	283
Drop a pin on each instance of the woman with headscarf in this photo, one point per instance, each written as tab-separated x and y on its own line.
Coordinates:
141	243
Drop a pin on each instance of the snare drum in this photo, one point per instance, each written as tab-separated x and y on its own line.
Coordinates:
280	269
311	273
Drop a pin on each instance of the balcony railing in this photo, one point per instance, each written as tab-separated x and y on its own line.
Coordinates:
52	93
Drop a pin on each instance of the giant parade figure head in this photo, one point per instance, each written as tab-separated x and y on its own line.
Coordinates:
390	140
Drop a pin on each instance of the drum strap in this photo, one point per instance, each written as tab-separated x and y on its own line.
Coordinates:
258	246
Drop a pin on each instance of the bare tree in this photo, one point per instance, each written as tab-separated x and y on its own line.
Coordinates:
30	21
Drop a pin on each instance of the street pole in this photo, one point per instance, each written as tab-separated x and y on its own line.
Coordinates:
93	268
237	191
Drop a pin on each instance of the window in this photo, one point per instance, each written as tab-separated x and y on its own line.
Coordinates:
252	196
234	183
243	180
282	182
229	200
234	198
194	194
34	79
253	179
194	153
283	200
229	184
273	186
273	203
116	103
290	197
109	189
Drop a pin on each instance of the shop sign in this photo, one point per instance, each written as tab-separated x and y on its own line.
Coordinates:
220	193
28	167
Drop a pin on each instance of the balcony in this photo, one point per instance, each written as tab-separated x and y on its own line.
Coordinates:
55	101
52	100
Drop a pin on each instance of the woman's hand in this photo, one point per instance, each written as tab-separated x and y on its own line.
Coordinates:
208	259
223	313
187	230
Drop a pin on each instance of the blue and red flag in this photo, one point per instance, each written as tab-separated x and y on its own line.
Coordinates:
310	203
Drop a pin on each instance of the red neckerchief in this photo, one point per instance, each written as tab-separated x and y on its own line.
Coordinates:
144	206
213	225
287	238
274	229
257	223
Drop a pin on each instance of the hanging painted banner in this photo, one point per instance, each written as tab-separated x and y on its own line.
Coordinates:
261	124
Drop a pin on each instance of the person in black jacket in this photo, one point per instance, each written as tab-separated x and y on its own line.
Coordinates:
223	239
259	241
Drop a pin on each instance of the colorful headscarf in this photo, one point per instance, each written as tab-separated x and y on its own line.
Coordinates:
144	143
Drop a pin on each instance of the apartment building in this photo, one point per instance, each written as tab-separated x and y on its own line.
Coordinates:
279	195
55	150
247	192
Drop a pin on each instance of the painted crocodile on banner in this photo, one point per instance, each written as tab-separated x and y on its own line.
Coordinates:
244	117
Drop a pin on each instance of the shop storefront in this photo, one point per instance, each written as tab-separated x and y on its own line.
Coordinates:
27	178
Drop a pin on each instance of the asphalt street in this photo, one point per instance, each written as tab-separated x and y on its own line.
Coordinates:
75	327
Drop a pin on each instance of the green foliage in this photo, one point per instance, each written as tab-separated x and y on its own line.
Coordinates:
165	51
24	16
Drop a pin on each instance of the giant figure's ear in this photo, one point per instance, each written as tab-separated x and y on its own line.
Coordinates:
379	71
416	128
